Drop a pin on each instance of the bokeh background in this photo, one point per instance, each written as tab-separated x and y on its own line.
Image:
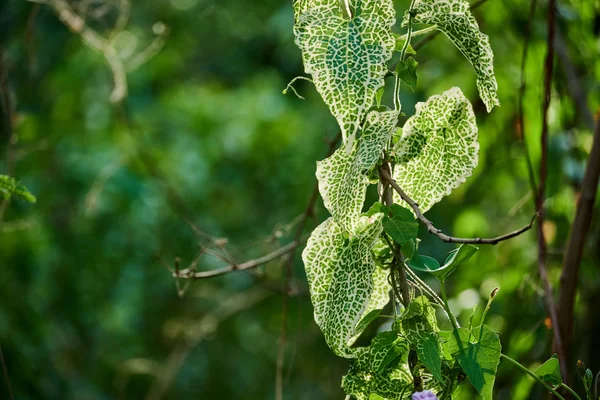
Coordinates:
206	158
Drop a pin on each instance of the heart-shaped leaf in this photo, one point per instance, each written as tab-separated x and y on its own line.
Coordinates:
402	226
549	371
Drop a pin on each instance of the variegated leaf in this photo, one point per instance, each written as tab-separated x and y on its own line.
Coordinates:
454	19
381	369
342	179
346	55
438	149
340	277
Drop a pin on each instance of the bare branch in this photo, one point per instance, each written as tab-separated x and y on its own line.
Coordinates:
103	45
189	273
573	254
437	232
541	192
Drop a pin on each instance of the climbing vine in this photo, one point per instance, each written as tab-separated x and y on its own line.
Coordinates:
356	261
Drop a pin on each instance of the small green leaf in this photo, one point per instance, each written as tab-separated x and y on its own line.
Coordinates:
429	352
424	263
402	226
400	41
549	371
385	348
409	248
381	370
10	187
478	354
407	71
367	319
454	260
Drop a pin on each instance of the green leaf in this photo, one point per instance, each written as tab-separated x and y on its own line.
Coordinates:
438	149
454	260
417	321
407	71
342	179
380	296
409	249
424	263
454	19
418	324
402	226
10	187
381	370
429	353
400	40
549	371
340	274
333	44
478	353
385	348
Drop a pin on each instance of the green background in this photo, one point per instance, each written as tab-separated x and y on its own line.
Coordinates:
205	137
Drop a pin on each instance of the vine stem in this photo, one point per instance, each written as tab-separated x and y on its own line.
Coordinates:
453	320
562	385
534	376
438	232
402	55
420	32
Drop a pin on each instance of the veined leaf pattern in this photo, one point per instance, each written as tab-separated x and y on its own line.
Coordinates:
346	56
454	19
340	277
381	369
438	149
342	179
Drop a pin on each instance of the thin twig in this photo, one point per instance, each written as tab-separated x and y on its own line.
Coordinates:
437	232
569	278
191	274
540	195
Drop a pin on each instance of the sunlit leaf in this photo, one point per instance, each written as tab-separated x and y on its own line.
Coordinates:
454	19
10	187
380	296
340	277
346	55
418	324
378	130
549	371
381	370
342	176
438	149
478	353
407	72
429	353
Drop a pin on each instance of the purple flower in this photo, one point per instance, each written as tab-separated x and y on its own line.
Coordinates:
424	395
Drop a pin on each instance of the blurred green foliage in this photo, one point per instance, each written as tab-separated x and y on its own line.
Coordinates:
206	137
